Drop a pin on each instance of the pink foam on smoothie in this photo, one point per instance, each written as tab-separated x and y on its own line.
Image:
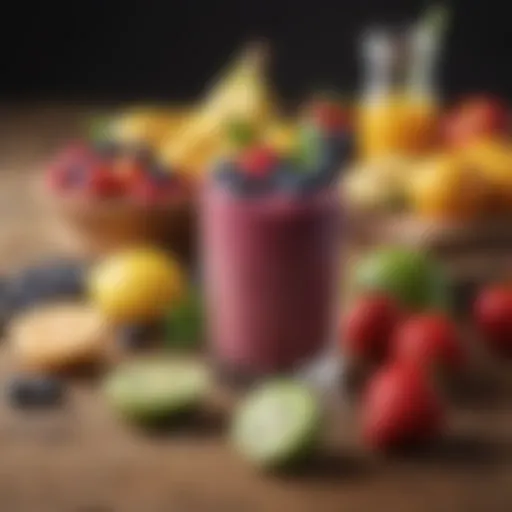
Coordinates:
270	267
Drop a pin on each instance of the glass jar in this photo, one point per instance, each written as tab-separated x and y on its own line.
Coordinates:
398	109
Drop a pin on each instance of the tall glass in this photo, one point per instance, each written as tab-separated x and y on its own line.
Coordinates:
270	272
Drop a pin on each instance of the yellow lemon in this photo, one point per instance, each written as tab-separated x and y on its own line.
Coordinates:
136	285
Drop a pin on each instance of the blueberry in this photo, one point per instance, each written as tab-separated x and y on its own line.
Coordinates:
137	336
239	183
63	278
23	291
35	391
51	280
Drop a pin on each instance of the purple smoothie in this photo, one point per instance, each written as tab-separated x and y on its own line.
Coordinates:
270	272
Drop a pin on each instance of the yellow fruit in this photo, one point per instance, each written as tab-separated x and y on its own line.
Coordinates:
136	285
242	93
379	184
492	158
148	126
444	187
281	136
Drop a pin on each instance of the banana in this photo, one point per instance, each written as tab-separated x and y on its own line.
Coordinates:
57	336
148	125
241	94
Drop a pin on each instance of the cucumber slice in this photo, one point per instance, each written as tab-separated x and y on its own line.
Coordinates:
278	424
154	390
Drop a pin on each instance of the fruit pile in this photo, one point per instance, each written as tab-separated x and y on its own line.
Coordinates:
411	347
314	160
465	175
238	113
63	315
109	170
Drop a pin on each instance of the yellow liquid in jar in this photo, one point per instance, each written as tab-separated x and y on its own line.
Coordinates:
396	124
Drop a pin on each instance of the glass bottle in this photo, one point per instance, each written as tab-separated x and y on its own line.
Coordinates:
398	110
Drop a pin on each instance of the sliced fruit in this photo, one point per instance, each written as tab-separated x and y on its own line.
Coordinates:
136	285
156	390
58	336
277	424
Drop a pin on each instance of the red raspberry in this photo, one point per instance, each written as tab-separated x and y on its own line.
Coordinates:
258	160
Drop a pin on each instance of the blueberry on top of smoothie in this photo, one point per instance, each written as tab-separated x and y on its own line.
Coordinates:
323	143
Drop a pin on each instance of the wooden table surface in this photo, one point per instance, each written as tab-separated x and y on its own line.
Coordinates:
82	460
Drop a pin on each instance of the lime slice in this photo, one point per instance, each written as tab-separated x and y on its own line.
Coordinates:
278	424
153	390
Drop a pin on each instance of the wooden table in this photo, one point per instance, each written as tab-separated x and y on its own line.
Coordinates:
82	460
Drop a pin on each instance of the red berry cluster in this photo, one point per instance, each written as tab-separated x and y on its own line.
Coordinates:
82	169
401	402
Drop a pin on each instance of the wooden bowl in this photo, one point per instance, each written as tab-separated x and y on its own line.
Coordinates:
96	226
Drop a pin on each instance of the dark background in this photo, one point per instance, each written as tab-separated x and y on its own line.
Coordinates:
108	50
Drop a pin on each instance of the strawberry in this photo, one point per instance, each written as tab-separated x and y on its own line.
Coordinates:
258	161
102	182
399	408
429	339
152	189
492	313
369	325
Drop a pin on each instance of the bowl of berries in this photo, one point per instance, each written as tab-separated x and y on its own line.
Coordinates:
106	197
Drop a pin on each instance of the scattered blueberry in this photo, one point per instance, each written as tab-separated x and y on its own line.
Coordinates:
137	336
35	391
51	280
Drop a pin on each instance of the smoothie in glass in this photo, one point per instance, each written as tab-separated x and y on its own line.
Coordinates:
270	245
